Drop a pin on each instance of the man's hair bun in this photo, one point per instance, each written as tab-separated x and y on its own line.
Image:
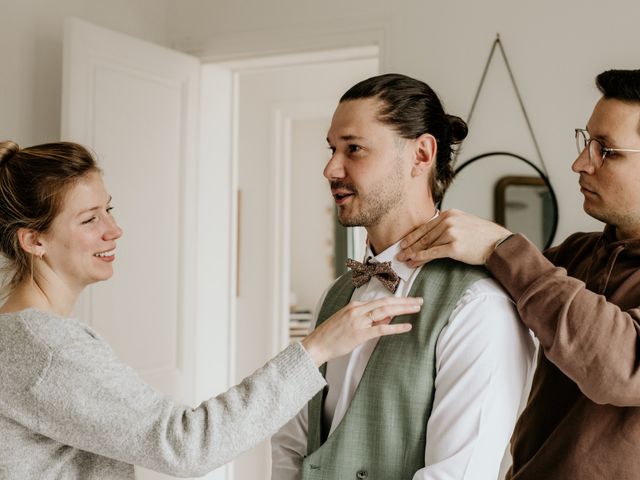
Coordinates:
459	129
7	150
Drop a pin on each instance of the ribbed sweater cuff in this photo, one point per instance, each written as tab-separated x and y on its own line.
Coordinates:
295	363
517	263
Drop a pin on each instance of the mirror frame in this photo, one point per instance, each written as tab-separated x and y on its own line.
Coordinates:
545	179
500	193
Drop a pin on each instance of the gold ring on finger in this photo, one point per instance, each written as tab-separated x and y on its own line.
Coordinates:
370	314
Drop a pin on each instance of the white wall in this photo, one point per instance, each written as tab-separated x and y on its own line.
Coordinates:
31	51
555	48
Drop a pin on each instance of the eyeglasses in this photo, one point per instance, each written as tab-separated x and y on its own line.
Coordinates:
597	151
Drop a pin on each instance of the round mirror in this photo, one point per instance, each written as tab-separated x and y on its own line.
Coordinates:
508	189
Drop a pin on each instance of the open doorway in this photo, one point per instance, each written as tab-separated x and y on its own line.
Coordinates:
286	241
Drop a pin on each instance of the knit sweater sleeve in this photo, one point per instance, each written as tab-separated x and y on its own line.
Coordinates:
88	399
589	339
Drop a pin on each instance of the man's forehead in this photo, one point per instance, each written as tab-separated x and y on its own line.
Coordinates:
355	119
611	115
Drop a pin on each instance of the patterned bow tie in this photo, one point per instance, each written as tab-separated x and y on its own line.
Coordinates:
362	273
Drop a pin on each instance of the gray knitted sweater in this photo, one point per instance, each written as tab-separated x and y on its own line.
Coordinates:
69	409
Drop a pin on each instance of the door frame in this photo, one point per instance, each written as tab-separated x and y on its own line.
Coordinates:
280	193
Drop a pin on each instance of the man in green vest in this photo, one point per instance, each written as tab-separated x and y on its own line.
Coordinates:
442	400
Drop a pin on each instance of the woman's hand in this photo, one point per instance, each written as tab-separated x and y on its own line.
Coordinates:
454	234
356	323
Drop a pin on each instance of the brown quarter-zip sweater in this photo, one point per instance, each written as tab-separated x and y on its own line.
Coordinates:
582	419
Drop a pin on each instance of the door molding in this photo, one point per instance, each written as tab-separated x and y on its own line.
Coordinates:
282	115
271	43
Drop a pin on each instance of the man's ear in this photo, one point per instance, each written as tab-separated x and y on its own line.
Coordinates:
426	150
30	241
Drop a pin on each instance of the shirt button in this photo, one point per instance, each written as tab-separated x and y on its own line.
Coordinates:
362	474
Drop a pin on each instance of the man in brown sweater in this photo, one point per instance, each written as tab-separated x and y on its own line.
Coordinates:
580	299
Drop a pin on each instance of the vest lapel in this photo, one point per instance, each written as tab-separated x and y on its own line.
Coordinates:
338	296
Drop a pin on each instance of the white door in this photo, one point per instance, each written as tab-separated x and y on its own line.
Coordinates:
135	105
283	115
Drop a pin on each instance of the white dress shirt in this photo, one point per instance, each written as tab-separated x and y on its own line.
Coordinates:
484	358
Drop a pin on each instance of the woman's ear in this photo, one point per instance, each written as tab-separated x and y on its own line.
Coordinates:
30	242
426	149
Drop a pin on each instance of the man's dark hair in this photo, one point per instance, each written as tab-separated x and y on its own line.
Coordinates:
412	108
621	85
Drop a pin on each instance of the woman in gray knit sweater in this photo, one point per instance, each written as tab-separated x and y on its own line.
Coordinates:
69	409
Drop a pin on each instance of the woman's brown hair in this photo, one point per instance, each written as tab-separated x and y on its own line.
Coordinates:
33	184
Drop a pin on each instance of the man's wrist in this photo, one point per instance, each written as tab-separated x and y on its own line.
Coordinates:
503	239
499	242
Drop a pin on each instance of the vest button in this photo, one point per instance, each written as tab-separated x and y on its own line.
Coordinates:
362	474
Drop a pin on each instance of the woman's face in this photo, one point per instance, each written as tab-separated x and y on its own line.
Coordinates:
80	244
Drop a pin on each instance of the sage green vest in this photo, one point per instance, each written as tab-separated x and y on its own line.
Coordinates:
383	433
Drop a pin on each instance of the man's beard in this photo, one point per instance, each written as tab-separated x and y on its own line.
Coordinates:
380	200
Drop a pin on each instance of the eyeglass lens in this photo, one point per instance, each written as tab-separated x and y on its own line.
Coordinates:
595	148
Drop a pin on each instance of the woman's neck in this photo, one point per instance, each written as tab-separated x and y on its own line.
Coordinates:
29	294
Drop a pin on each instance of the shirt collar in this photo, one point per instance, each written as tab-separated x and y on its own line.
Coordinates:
403	270
389	255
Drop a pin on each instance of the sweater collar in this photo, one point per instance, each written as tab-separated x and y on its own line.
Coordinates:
610	242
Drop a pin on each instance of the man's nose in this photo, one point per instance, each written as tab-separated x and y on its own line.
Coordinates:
582	164
334	169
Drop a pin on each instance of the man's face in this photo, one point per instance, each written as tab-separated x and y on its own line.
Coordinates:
612	191
367	170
